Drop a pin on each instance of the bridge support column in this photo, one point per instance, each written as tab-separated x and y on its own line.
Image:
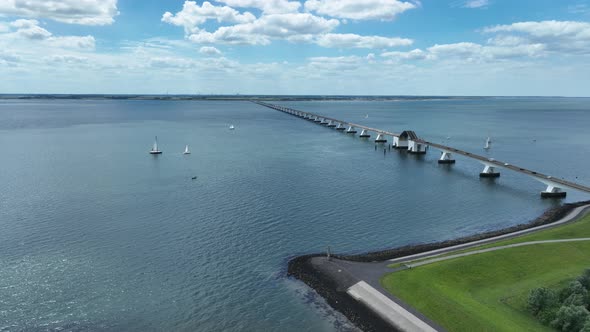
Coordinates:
446	158
317	120
365	134
351	130
416	147
324	122
340	126
331	124
400	143
380	138
489	171
553	192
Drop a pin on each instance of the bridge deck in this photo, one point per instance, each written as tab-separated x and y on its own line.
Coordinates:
496	163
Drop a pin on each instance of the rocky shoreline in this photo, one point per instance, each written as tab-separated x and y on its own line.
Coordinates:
334	290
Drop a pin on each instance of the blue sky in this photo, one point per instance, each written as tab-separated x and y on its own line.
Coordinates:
375	47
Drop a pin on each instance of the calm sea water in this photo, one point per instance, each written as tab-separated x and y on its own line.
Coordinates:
96	234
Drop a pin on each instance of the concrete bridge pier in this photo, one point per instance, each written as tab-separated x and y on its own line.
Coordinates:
489	171
553	190
365	134
331	124
340	126
380	138
400	143
446	158
324	122
416	147
351	130
317	120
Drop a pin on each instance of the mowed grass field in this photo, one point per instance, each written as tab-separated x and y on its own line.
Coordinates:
488	291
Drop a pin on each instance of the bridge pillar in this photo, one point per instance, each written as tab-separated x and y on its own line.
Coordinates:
365	134
380	138
553	192
489	171
416	147
340	126
399	143
446	158
331	124
317	120
324	122
351	130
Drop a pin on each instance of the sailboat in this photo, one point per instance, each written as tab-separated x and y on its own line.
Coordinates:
366	116
154	149
231	127
488	142
186	151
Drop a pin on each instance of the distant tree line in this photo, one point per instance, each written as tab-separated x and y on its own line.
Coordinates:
565	309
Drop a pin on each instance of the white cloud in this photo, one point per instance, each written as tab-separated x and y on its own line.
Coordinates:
30	29
547	29
4	27
416	54
76	42
336	64
463	49
192	15
210	51
171	62
476	52
504	40
70	59
476	3
85	12
9	57
349	40
559	36
267	6
261	31
360	10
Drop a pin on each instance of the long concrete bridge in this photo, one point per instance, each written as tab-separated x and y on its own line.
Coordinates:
408	140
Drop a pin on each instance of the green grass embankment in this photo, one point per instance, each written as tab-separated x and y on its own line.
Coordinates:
488	291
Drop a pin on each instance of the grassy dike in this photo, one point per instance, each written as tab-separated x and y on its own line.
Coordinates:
488	291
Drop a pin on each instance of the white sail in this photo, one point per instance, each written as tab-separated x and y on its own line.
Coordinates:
231	127
488	141
186	151
155	147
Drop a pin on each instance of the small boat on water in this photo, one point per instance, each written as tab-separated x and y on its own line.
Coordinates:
488	142
231	127
186	150
366	116
155	149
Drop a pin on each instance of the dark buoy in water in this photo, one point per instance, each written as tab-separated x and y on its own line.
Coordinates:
194	178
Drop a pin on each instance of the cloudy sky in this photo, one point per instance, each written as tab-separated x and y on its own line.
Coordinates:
375	47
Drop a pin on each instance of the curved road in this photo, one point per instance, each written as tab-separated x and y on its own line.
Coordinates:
469	253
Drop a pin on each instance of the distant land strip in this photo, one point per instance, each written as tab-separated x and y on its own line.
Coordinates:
239	97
